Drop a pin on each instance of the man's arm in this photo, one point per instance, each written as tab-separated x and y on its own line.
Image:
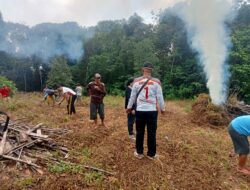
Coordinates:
132	97
89	89
126	98
104	89
160	98
63	98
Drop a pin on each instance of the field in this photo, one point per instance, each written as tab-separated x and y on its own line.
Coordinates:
191	156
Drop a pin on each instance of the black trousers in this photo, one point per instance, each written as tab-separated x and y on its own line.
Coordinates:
149	119
71	105
131	121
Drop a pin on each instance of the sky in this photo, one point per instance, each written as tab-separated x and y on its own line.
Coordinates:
84	12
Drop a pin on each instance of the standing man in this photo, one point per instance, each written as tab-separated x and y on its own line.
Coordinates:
130	116
79	94
97	92
147	96
239	130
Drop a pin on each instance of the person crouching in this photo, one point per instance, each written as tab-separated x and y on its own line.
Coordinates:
70	96
239	130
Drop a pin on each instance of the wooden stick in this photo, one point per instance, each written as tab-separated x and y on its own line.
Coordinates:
19	156
30	133
21	146
35	128
98	169
92	168
19	160
3	142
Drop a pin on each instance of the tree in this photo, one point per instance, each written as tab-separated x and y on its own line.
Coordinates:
60	73
145	52
240	63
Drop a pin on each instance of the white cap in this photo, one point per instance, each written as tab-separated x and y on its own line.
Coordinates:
97	75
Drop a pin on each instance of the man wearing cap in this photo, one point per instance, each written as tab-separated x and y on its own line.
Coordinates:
147	96
97	92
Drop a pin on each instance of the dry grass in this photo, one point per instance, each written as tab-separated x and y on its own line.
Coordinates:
204	111
192	156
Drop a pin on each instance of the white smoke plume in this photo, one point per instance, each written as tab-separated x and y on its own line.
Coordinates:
205	21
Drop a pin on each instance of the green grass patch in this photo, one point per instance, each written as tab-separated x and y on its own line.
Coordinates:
25	183
114	101
64	167
93	178
86	153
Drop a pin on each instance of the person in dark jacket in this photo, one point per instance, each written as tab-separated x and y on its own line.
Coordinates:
97	92
131	115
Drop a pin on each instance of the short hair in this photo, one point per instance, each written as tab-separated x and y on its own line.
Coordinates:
130	81
148	65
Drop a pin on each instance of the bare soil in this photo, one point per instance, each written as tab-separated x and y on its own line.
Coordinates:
192	155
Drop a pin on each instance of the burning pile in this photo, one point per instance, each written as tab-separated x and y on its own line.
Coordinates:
204	111
27	144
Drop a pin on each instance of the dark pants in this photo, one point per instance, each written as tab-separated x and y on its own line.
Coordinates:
131	121
240	142
71	105
96	108
149	119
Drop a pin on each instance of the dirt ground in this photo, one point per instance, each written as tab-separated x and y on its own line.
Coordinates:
192	156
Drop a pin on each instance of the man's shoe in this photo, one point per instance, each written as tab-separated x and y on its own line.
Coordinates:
132	137
139	156
155	157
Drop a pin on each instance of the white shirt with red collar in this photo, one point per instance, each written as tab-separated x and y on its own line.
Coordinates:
150	97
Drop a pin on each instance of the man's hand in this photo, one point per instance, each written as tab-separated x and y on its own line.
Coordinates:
128	110
97	87
163	112
133	112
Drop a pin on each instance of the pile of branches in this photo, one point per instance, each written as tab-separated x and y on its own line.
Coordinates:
28	144
205	112
236	108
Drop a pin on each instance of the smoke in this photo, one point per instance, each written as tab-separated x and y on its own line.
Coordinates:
205	21
84	12
44	40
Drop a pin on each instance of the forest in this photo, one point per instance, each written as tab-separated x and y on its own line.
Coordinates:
117	49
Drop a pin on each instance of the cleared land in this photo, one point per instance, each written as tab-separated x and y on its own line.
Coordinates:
192	156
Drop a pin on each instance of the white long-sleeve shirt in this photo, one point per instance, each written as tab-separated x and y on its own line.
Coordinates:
68	90
150	96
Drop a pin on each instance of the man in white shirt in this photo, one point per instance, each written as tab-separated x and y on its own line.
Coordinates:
147	96
70	96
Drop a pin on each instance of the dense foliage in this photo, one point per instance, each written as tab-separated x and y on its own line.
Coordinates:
119	48
5	82
59	73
